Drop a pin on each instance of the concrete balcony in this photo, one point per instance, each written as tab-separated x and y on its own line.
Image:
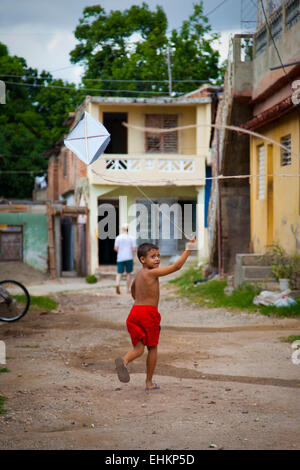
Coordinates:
148	170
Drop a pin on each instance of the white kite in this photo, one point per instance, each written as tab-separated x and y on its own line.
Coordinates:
88	139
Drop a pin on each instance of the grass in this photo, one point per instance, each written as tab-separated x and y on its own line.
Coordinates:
290	339
211	294
42	301
4	369
2	410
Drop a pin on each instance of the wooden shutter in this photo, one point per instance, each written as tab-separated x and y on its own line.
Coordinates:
159	143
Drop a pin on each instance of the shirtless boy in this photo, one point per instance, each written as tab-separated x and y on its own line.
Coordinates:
143	322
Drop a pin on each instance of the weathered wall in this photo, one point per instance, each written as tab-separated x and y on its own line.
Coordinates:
235	193
35	237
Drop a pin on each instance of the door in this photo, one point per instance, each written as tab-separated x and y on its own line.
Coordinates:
168	225
118	132
167	219
67	244
11	244
270	197
106	253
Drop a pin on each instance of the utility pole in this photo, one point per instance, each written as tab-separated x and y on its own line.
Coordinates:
169	71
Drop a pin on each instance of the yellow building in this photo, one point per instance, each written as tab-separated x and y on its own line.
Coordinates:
140	170
275	203
275	199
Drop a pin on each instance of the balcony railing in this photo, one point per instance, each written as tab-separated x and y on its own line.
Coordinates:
188	169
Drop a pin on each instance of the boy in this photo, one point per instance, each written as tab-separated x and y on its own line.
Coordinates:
143	322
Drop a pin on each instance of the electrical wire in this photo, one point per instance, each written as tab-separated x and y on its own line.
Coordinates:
86	89
24	76
204	14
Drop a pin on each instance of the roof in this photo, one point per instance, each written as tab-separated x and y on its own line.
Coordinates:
161	100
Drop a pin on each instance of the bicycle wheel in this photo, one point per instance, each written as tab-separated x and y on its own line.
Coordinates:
14	301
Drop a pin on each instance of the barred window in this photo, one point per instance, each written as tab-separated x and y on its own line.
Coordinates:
159	143
286	153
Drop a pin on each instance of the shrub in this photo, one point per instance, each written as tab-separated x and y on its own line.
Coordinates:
91	279
283	266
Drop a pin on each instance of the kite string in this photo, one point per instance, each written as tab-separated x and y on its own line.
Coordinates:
203	178
193	126
155	130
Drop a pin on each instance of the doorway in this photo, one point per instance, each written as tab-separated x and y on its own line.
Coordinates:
106	253
118	132
11	243
67	244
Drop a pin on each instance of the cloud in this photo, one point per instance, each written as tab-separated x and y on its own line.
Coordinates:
43	32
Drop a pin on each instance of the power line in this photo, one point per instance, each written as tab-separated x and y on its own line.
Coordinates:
205	14
86	89
215	9
103	80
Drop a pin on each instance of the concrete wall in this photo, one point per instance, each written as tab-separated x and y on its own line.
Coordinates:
35	237
288	46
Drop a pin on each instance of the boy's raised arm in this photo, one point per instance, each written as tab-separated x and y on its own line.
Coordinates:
157	272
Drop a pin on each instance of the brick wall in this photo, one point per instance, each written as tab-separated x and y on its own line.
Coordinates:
63	172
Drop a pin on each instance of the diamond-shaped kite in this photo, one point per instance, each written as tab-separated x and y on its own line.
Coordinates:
88	139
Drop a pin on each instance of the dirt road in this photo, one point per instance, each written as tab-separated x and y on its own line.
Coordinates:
226	379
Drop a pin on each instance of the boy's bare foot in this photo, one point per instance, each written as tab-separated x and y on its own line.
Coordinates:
122	370
153	386
118	290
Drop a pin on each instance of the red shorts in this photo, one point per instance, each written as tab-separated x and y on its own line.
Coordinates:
143	324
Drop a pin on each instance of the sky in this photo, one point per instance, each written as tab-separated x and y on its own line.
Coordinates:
42	31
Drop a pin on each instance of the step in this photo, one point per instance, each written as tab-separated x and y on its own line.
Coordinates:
247	259
69	274
257	272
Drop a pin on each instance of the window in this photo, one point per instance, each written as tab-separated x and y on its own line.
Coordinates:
261	172
286	153
159	143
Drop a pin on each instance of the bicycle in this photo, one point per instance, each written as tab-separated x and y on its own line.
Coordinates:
14	301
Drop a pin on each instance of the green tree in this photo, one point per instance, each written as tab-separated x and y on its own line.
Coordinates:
31	122
119	49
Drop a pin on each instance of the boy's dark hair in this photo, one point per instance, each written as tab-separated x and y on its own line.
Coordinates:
144	248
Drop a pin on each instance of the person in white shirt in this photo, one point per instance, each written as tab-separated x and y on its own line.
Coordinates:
125	246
